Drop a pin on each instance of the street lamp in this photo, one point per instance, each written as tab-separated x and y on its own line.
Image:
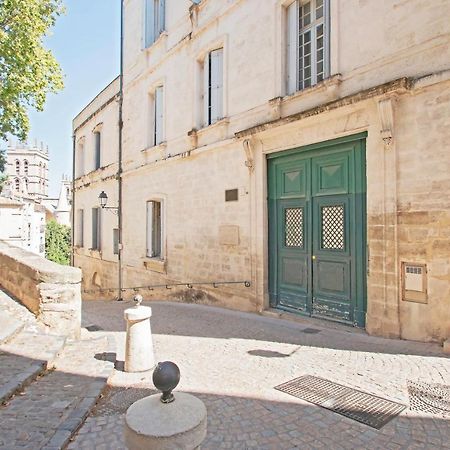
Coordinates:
103	201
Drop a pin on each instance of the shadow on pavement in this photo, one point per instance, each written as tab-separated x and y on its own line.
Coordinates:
179	319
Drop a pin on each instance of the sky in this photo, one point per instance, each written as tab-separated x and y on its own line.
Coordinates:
86	43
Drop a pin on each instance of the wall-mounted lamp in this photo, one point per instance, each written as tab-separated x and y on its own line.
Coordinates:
103	201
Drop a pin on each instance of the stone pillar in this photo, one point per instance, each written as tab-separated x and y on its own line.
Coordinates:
139	344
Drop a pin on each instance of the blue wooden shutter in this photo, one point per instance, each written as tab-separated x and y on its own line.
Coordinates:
149	28
216	90
161	16
159	115
97	149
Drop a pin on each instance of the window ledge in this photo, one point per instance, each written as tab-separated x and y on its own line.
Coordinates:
328	84
155	264
161	38
160	147
219	124
94	253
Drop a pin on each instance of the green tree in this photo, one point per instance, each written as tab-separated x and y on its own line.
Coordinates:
3	176
57	242
28	71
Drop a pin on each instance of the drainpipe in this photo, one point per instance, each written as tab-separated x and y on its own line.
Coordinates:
72	215
119	170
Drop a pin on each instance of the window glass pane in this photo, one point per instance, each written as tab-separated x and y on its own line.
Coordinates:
306	14
312	38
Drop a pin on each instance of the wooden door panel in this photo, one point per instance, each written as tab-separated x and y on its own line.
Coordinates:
293	251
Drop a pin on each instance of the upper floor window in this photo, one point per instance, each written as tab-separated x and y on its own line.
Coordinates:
17	167
80	228
158	114
213	86
97	149
25	167
17	184
154	20
308	56
79	160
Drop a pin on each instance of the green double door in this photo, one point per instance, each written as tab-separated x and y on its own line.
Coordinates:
317	223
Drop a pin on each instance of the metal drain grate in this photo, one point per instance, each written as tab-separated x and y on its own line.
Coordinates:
429	398
357	405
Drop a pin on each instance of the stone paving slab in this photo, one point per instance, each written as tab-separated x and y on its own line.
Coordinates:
233	361
47	412
26	351
9	326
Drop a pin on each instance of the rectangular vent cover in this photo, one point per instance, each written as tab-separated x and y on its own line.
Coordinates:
357	405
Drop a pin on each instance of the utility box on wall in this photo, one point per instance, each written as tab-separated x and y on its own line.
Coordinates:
414	282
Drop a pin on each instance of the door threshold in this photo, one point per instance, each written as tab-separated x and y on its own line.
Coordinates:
311	321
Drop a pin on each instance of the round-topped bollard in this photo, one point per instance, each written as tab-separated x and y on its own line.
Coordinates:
139	344
167	421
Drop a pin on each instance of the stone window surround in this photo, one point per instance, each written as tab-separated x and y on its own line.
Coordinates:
80	148
199	122
157	264
98	128
150	116
281	36
161	38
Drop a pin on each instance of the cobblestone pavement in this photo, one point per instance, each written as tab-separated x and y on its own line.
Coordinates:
232	361
45	413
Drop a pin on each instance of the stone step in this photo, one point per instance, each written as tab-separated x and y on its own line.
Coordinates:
14	317
23	358
47	412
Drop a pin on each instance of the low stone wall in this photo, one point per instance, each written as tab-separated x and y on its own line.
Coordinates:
51	291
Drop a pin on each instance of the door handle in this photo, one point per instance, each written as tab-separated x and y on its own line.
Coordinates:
313	257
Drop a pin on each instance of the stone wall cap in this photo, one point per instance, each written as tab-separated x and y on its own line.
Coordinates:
44	270
151	418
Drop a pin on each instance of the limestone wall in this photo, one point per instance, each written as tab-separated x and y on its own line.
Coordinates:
378	84
49	290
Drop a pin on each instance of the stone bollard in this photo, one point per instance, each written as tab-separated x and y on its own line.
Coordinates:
166	422
139	344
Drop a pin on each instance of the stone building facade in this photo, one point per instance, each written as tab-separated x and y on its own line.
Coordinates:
298	145
27	169
22	224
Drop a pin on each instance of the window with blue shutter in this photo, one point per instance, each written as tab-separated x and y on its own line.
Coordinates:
96	227
97	149
159	115
213	84
154	20
154	230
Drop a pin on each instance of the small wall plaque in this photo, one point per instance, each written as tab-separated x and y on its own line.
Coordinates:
231	195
